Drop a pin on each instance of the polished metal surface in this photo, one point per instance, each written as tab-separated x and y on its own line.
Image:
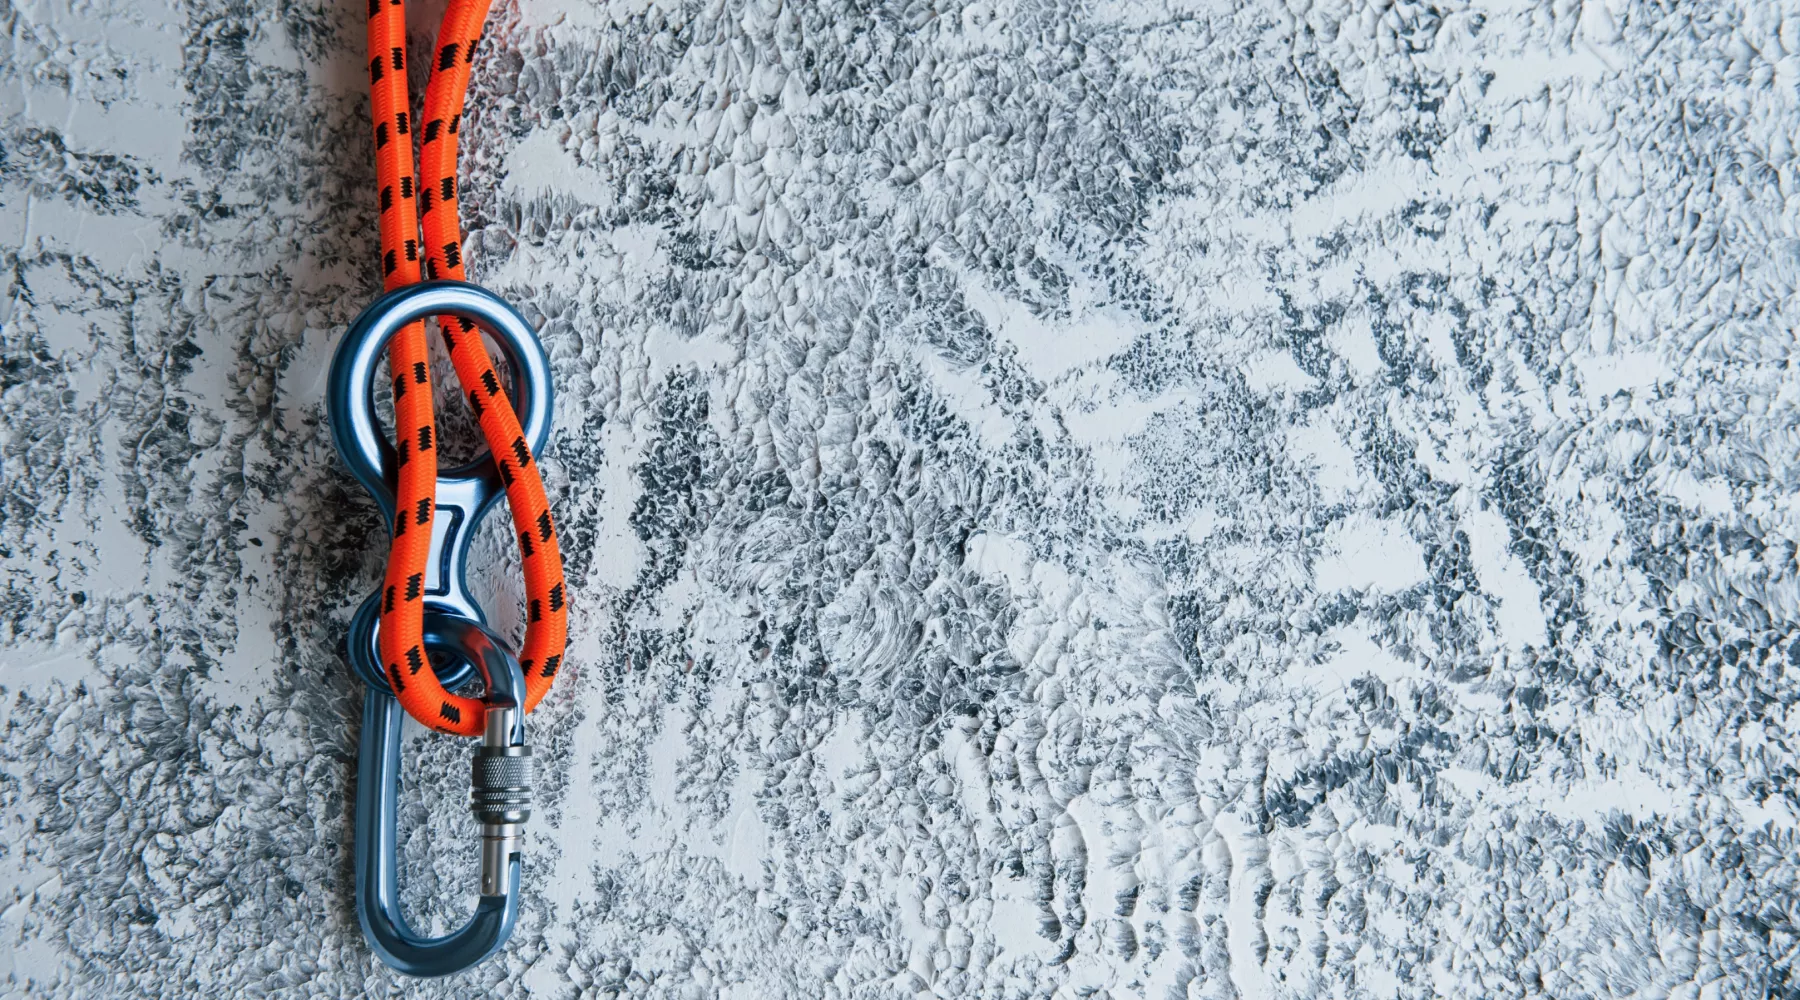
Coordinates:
461	647
464	493
468	650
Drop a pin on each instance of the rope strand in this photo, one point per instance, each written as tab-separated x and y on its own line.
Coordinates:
402	202
546	630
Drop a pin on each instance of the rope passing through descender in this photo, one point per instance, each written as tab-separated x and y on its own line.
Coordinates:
455	638
422	638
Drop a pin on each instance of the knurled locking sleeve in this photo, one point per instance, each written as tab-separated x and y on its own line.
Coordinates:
501	784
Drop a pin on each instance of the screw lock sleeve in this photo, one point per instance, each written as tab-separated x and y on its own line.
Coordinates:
501	784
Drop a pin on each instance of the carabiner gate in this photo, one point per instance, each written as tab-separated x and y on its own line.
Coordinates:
456	635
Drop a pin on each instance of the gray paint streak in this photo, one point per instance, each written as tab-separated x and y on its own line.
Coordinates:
1106	499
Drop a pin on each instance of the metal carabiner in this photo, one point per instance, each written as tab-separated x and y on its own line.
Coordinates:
455	630
502	801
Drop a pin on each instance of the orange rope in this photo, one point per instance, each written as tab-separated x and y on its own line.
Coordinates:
402	612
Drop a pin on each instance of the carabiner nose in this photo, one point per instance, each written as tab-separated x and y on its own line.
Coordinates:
501	798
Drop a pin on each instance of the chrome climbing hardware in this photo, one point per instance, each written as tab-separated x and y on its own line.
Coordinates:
456	635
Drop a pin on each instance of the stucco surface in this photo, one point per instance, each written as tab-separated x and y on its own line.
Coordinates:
1161	499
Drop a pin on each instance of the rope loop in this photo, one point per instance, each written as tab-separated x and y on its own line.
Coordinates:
431	201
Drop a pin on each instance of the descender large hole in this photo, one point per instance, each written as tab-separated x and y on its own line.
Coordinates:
458	432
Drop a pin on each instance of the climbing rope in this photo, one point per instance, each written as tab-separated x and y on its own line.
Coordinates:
403	201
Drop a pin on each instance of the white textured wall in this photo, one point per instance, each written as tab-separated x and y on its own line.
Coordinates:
1114	499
